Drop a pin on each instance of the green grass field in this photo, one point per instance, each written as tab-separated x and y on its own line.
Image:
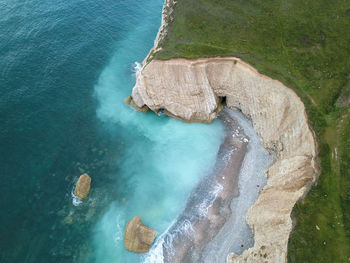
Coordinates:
306	45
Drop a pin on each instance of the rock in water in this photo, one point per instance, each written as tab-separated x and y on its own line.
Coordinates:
138	237
127	100
82	187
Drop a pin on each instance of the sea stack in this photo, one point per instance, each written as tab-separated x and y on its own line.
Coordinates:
138	237
82	187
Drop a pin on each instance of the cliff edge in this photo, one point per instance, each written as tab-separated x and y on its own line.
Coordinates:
196	90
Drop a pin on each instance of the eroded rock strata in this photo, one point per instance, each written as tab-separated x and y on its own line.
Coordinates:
194	90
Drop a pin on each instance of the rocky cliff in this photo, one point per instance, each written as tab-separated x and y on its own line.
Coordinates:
195	90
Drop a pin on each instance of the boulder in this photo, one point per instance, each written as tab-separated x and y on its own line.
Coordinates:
82	187
138	237
127	100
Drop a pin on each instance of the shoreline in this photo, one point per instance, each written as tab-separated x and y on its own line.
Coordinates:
216	207
208	217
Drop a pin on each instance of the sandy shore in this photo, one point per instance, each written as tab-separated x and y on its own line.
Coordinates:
209	206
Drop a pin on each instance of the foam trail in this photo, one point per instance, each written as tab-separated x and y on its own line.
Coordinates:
137	66
75	200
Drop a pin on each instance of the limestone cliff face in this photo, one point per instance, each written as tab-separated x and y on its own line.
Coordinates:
192	90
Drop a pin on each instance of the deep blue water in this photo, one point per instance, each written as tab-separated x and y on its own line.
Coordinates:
65	67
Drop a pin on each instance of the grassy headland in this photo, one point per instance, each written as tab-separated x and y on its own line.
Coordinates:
306	45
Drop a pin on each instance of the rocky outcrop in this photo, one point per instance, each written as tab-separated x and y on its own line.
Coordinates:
82	187
194	90
127	100
138	237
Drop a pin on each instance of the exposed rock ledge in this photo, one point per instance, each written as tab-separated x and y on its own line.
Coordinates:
192	90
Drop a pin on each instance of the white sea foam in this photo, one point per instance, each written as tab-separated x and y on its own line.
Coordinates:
75	200
228	154
118	234
156	253
203	207
137	66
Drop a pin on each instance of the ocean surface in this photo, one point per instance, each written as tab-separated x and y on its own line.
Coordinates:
65	68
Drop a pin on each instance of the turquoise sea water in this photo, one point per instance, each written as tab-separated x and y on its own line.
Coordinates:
65	68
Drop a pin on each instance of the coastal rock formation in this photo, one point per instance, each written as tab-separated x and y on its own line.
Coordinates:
127	100
138	237
82	187
195	90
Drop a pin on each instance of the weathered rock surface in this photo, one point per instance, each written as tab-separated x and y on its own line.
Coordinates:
192	90
138	237
141	109
82	187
